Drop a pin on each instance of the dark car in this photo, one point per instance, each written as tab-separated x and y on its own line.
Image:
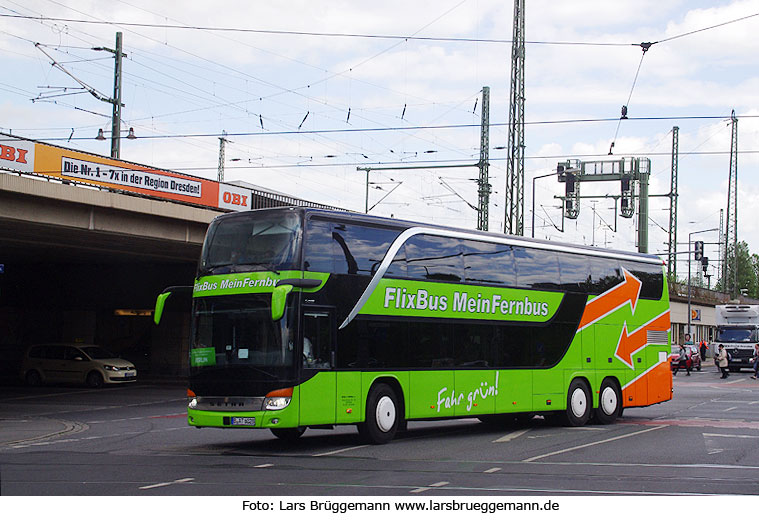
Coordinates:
692	357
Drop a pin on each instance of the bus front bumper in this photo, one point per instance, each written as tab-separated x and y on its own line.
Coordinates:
287	418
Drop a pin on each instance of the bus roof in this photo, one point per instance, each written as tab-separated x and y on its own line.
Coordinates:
488	236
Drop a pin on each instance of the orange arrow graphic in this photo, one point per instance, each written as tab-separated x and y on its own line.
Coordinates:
606	303
629	344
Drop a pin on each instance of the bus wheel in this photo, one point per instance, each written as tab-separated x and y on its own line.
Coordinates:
579	404
382	415
609	402
288	434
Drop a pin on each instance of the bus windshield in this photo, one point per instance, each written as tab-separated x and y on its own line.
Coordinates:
736	334
238	332
252	244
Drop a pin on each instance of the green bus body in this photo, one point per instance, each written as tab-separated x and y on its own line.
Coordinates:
373	322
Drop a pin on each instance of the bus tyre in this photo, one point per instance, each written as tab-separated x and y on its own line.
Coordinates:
579	404
382	415
288	434
609	402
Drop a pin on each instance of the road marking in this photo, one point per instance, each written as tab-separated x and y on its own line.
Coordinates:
583	446
511	436
492	470
335	452
427	488
164	484
264	466
731	436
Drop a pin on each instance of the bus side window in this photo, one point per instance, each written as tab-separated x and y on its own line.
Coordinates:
318	346
574	272
430	257
318	253
537	268
488	263
651	276
605	273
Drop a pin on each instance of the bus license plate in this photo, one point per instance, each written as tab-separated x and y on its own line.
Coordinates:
243	421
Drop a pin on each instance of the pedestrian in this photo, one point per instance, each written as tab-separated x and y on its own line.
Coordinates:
703	348
756	361
721	361
682	361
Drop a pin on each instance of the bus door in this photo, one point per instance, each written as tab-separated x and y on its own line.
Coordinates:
319	388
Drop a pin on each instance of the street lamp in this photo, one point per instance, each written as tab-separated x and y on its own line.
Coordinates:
689	287
533	198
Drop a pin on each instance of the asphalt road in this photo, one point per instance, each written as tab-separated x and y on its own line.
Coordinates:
134	440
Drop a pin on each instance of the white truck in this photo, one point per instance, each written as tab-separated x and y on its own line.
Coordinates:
738	332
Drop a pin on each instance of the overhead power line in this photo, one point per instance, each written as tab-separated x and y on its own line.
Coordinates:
418	127
360	35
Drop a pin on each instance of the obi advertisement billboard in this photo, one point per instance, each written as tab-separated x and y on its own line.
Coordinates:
24	156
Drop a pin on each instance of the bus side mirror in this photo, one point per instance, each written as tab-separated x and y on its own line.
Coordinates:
160	302
279	301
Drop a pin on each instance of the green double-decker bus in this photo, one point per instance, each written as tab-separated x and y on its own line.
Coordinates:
310	318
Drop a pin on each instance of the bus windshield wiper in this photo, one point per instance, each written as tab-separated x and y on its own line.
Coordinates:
241	267
268	265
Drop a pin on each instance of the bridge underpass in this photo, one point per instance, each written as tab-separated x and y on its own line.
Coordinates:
83	264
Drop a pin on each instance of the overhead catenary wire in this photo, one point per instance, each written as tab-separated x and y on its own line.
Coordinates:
360	35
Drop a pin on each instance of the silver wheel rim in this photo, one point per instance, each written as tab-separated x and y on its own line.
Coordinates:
609	401
385	413
579	402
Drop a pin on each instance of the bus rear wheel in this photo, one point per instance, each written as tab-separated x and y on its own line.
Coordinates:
382	415
609	402
579	404
288	434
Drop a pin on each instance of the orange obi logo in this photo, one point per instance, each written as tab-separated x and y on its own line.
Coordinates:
9	153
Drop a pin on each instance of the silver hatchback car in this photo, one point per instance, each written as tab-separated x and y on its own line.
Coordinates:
75	363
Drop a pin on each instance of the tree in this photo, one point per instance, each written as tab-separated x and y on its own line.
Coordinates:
747	272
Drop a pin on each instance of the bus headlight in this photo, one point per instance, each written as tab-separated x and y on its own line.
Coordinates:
277	403
278	399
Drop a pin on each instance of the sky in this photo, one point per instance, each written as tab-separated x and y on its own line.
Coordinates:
307	92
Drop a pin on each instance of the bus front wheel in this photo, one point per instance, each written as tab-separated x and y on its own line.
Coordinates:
579	404
382	415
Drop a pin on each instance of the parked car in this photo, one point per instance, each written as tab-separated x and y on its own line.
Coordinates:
75	363
692	357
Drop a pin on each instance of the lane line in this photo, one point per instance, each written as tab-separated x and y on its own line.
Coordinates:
427	488
511	436
335	452
583	446
730	436
164	484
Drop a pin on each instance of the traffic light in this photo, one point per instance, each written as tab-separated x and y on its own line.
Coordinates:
698	252
704	263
